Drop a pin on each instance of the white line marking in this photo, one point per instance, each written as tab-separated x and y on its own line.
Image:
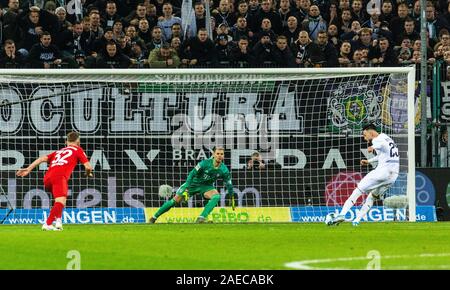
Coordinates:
305	265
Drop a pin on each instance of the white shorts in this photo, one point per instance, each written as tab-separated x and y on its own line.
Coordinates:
377	181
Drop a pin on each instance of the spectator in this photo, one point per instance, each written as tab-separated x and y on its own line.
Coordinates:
224	14
31	30
364	39
144	31
358	60
282	55
9	57
333	35
306	52
314	22
113	58
358	12
164	57
96	31
292	30
199	51
167	21
408	31
124	45
285	13
354	32
266	28
138	14
175	44
99	45
345	56
177	31
223	49
45	54
444	38
240	29
157	38
397	23
328	58
131	32
253	8
404	54
139	56
256	162
70	42
386	11
242	10
63	24
200	19
332	14
382	54
263	50
118	29
10	19
434	24
302	9
266	12
344	23
224	30
110	16
242	54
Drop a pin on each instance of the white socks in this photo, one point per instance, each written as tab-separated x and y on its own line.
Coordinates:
350	201
365	208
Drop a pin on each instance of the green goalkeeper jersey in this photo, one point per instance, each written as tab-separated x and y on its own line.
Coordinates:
206	174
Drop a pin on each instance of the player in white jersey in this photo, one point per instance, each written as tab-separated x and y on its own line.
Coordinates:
377	181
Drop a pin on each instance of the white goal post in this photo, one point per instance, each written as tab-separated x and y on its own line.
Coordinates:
143	128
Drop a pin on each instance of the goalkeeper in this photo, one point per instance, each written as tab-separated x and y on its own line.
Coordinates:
200	181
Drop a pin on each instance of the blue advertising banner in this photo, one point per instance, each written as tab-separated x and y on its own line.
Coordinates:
376	214
77	216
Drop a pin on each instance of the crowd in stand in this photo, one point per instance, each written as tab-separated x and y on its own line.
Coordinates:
240	33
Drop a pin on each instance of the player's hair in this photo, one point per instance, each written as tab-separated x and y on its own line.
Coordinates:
255	154
370	127
73	136
218	148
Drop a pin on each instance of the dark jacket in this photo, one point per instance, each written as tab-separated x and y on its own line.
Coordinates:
118	61
204	52
283	58
40	54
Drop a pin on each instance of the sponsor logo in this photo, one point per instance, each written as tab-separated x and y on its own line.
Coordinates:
224	215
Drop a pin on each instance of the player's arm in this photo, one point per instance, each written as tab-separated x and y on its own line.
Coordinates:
228	183
25	171
88	169
371	149
193	173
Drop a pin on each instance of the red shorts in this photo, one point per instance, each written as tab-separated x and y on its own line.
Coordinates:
57	185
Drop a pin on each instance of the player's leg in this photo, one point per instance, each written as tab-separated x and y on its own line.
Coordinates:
375	194
179	196
364	209
214	197
60	200
364	185
59	188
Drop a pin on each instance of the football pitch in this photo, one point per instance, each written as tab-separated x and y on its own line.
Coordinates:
228	246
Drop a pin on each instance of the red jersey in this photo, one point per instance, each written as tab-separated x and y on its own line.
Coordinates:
62	162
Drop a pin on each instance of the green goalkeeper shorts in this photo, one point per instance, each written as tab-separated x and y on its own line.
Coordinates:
194	189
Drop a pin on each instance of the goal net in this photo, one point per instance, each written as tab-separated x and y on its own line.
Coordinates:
292	140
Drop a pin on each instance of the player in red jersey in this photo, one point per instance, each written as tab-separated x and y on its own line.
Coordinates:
61	164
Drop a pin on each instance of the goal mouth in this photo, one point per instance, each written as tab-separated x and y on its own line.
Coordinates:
143	129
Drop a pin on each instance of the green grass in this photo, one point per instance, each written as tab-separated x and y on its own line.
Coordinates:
227	246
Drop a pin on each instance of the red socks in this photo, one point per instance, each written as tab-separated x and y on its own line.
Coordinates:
55	213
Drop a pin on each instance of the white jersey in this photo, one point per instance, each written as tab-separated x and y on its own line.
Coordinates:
387	152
